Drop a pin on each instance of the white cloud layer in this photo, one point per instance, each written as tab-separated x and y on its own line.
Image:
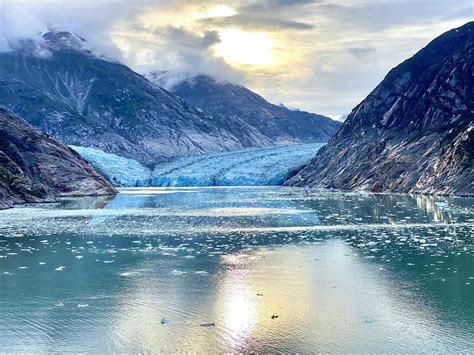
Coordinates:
319	55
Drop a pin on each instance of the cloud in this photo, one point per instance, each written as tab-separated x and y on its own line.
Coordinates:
362	53
258	22
326	55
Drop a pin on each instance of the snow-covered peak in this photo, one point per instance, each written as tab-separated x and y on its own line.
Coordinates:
64	39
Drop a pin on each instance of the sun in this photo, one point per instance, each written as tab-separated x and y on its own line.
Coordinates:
216	11
244	48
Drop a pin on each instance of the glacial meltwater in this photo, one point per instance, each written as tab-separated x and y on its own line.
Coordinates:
263	269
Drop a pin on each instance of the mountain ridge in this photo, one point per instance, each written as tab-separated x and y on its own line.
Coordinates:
87	101
225	100
414	131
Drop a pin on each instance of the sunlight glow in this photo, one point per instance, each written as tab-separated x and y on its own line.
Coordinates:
247	48
217	11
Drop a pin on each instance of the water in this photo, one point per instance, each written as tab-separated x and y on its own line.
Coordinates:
205	269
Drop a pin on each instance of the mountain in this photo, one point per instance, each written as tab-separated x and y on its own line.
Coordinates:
243	111
63	89
414	132
35	167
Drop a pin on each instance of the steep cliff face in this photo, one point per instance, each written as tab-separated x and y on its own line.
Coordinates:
414	132
35	167
249	115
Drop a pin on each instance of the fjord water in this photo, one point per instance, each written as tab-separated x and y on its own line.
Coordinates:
210	269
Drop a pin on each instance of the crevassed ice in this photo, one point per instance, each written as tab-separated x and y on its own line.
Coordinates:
249	167
120	171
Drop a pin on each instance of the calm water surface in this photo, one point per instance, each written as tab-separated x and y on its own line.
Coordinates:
205	269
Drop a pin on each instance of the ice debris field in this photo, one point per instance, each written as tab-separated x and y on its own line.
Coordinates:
251	167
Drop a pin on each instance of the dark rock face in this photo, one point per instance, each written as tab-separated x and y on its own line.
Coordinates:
247	114
414	132
35	167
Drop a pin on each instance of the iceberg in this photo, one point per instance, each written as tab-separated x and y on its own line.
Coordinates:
247	167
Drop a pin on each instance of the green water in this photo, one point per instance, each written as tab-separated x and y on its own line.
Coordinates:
205	269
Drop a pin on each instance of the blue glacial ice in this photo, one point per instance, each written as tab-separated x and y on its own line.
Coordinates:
262	166
249	167
118	170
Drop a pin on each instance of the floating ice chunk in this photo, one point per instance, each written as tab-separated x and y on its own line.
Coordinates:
82	305
60	268
129	273
441	204
23	267
78	256
178	272
201	272
42	263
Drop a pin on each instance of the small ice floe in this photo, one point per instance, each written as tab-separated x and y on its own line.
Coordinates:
207	325
178	272
7	273
82	305
90	242
59	304
108	261
201	272
42	263
79	257
129	273
23	267
60	268
164	321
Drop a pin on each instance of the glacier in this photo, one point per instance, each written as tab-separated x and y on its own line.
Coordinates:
248	167
118	170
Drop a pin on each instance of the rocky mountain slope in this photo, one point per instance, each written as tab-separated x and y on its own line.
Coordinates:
35	167
241	110
62	89
414	132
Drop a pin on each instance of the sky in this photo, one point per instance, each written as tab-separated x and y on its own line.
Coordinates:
322	56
